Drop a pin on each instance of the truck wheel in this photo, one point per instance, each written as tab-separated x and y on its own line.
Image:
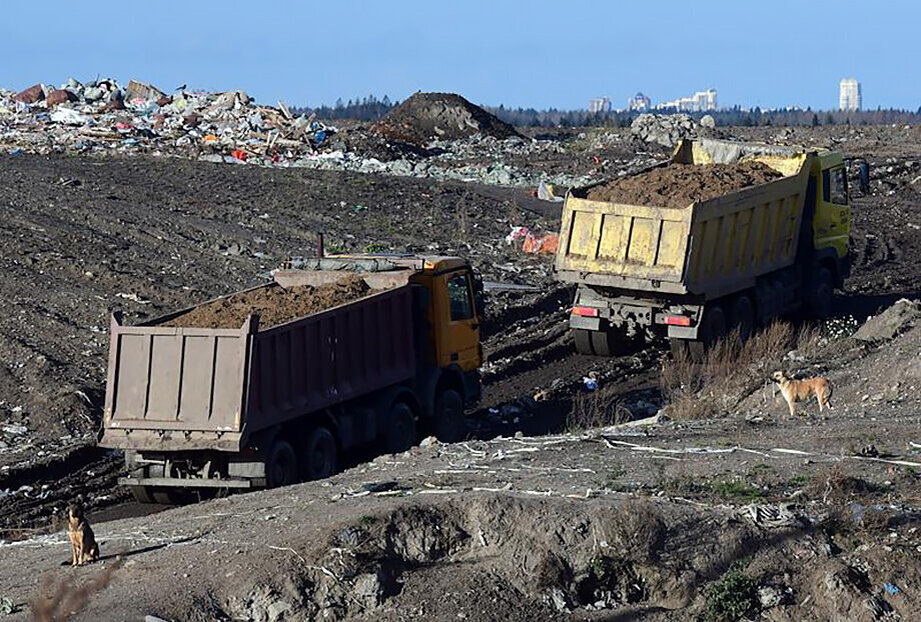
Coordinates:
142	494
583	340
604	342
400	434
320	454
712	329
449	423
281	469
742	317
823	290
166	496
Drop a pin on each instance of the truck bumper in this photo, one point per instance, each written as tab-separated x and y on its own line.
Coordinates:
176	482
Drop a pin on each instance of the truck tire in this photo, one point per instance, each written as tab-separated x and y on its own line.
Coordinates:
583	341
822	293
742	318
400	433
142	494
281	468
604	343
712	329
320	456
167	496
449	423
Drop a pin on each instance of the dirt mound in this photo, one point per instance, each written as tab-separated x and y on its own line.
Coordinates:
429	116
274	304
679	185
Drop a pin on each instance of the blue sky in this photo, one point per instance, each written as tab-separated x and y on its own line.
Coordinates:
519	53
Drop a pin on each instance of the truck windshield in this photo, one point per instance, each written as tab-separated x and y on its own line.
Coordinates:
459	293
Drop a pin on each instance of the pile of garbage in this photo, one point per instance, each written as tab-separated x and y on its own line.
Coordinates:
104	115
665	130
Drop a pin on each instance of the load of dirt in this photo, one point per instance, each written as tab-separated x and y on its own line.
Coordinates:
679	185
429	116
273	304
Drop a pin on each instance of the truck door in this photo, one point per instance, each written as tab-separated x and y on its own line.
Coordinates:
832	222
459	327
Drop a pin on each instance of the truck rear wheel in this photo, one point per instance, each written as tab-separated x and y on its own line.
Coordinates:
583	341
712	329
449	423
400	434
742	317
281	469
320	456
142	494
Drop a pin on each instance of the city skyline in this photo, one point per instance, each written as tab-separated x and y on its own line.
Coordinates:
511	58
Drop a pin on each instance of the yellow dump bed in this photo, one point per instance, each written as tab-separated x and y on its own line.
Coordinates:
708	248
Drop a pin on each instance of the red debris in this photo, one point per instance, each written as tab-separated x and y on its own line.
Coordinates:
59	96
30	95
239	154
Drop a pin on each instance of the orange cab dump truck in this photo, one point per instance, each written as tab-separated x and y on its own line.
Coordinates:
205	409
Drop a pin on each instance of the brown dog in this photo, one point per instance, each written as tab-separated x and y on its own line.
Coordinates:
796	390
82	539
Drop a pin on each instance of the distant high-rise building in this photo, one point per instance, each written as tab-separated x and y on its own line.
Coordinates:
638	103
599	104
702	101
849	96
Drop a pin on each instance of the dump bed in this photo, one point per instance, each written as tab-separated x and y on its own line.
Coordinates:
707	248
177	388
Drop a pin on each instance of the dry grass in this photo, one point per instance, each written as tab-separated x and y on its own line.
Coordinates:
730	370
61	602
597	409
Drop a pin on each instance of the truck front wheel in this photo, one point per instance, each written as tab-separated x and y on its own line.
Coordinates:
449	423
401	429
320	456
281	469
823	290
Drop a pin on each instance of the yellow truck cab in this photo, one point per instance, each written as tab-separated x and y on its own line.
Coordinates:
695	273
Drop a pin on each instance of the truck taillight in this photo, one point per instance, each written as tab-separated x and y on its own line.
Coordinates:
678	320
586	311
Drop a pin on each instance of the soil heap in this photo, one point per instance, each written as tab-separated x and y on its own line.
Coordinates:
429	116
274	304
679	185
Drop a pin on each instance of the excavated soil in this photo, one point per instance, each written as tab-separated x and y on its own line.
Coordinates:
429	116
274	304
679	185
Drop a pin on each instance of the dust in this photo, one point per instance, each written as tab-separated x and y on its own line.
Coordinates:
273	304
679	185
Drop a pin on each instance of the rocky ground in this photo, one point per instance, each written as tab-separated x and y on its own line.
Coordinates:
621	523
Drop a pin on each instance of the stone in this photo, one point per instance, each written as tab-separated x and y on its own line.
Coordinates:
890	323
369	590
708	121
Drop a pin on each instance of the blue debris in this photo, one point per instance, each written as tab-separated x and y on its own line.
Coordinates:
890	588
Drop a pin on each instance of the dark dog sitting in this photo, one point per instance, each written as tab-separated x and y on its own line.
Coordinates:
82	539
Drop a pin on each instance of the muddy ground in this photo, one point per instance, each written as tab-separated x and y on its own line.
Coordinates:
82	237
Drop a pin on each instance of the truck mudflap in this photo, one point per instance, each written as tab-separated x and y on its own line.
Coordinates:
179	482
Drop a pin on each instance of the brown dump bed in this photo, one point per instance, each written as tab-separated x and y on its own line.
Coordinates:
209	388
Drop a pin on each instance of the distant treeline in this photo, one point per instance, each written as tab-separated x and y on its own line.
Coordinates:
371	109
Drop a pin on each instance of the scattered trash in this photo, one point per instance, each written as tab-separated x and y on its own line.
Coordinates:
17	151
891	589
590	383
545	193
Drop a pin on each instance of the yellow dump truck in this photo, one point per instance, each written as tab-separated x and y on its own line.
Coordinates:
695	273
